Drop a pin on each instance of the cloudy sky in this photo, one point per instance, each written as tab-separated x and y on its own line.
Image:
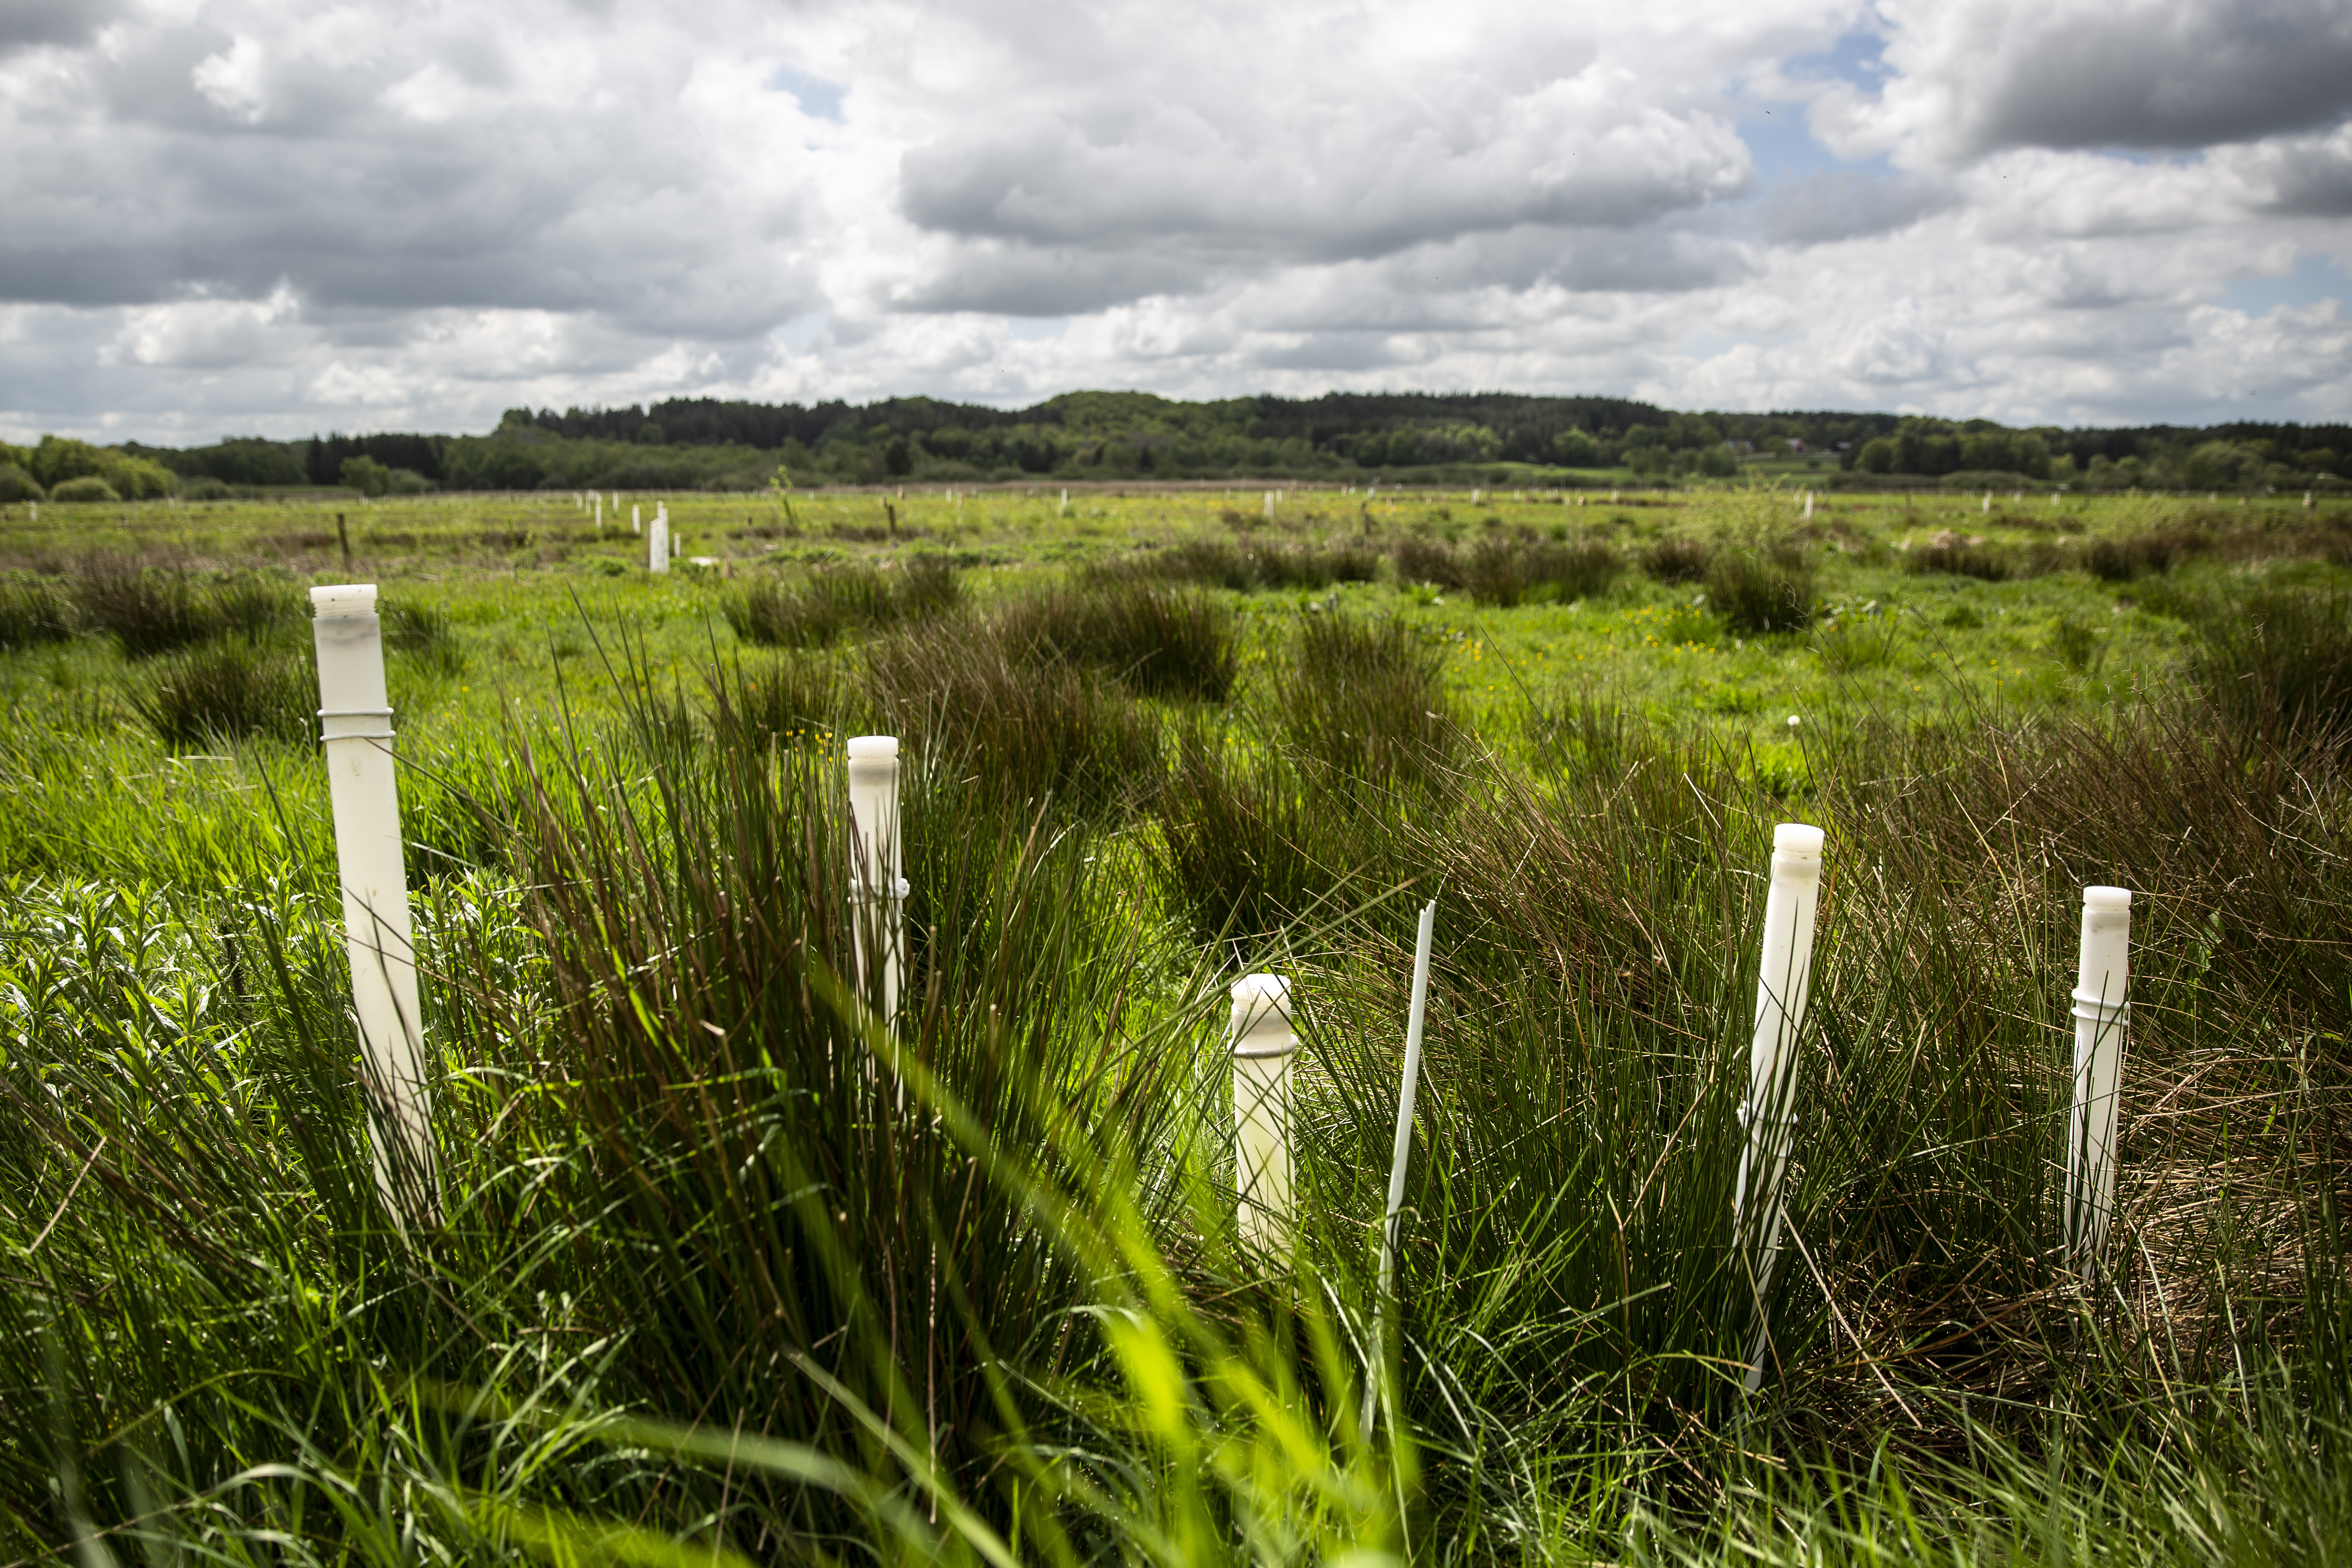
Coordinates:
225	216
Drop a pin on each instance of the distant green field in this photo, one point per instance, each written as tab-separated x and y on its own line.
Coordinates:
528	577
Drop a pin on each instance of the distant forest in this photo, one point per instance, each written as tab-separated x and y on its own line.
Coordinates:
1395	437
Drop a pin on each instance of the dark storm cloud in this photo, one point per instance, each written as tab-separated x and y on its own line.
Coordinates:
2304	176
2183	78
1977	76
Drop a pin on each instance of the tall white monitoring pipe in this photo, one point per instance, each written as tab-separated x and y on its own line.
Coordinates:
355	724
1262	1045
1783	983
657	546
878	893
1399	1158
2102	994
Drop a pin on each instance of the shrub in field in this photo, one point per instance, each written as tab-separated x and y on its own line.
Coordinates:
89	488
1507	570
2281	661
793	701
1255	565
229	689
959	686
146	610
1949	555
774	616
32	610
1251	844
1366	699
1424	560
2130	557
1156	641
836	601
16	485
1677	560
1761	587
254	605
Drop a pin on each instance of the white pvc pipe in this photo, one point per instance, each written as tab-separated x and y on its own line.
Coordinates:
2102	995
658	547
636	519
356	724
600	512
1402	1154
1808	506
1262	1045
877	891
1783	984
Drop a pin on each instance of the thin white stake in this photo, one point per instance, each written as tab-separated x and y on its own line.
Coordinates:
356	724
2102	998
1783	983
1262	1045
1423	943
877	892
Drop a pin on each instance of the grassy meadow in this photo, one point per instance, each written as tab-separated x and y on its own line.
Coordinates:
725	1274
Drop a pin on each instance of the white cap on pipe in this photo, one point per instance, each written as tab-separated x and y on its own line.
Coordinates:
344	599
873	748
2106	898
1797	846
1261	1024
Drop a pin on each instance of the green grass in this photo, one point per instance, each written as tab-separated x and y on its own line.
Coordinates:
725	1274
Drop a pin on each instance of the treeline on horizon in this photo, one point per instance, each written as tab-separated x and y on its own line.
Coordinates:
1404	437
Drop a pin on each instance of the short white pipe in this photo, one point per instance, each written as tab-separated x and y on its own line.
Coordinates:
600	512
2102	997
877	891
1400	1155
1783	984
636	519
657	546
1262	1045
1808	506
1269	503
356	724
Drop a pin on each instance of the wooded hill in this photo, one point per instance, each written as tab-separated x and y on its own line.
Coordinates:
707	444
